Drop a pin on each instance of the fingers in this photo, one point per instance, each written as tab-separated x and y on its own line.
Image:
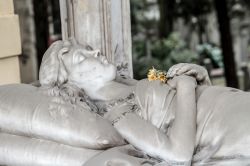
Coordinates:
196	71
174	69
185	69
197	74
191	73
180	69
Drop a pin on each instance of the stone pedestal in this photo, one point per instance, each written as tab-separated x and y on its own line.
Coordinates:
101	24
10	45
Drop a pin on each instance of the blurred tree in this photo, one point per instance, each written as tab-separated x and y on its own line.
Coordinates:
161	54
193	8
42	27
246	2
167	14
195	11
226	42
153	49
56	16
212	52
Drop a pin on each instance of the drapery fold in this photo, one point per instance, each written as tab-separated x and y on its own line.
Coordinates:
25	111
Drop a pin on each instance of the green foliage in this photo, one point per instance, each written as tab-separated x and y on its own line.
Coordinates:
214	53
183	56
141	24
149	50
164	47
162	55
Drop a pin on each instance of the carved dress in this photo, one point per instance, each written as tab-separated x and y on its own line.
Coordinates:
223	125
150	101
222	137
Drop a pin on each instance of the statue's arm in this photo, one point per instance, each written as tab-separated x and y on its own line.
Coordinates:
179	144
183	131
197	71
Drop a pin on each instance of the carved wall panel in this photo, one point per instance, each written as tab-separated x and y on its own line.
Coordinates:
101	24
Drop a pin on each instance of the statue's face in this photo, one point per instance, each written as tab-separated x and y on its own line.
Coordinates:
85	66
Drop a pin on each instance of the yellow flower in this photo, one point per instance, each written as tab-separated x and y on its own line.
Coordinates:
154	74
162	77
152	77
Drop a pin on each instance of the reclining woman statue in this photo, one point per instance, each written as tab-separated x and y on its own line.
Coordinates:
185	120
182	122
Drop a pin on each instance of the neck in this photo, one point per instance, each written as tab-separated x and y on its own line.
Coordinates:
114	90
108	91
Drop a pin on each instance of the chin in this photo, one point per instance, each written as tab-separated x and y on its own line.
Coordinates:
110	73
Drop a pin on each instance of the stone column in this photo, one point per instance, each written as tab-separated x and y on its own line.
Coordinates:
101	24
10	45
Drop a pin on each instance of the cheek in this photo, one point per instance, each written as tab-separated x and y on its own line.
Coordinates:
78	73
91	73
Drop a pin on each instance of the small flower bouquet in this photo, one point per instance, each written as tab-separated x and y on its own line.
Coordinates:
154	74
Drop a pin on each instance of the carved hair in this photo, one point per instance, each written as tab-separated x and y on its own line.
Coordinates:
52	71
53	76
70	94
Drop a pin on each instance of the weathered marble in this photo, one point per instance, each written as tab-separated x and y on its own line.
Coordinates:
186	121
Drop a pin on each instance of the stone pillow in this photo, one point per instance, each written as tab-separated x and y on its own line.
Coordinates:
27	112
19	150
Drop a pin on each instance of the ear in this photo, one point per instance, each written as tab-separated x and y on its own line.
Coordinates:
50	65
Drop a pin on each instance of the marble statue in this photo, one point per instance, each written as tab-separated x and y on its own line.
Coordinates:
185	121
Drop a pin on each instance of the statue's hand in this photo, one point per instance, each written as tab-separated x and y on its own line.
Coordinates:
196	71
183	81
